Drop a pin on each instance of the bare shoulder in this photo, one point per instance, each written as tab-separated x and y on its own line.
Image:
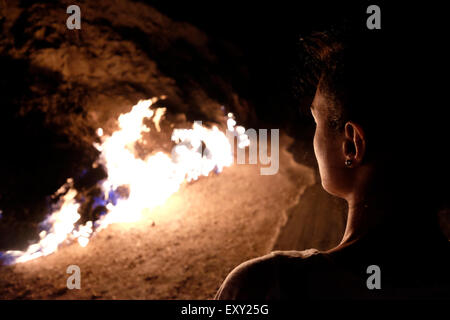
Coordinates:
261	278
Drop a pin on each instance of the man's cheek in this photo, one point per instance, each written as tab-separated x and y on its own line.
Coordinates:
315	145
319	144
318	151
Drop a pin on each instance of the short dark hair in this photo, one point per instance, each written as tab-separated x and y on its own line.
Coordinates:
384	84
350	70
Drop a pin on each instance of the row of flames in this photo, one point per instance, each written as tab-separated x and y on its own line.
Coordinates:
150	181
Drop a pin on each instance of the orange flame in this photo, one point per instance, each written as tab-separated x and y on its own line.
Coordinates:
150	181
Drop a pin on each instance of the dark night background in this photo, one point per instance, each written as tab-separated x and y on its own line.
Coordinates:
58	86
258	59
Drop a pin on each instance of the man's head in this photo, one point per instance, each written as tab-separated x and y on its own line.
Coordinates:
340	149
348	109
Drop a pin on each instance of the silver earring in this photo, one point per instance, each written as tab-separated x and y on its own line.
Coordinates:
348	162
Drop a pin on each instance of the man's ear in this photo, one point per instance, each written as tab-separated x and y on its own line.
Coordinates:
354	146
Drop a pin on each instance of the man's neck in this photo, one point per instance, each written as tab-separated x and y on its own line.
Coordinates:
363	215
379	221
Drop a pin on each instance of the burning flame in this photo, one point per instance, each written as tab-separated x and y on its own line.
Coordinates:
149	182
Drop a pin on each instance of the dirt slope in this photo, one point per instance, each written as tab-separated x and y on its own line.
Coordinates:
183	250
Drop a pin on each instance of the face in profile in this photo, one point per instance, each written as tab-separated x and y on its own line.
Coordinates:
332	148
